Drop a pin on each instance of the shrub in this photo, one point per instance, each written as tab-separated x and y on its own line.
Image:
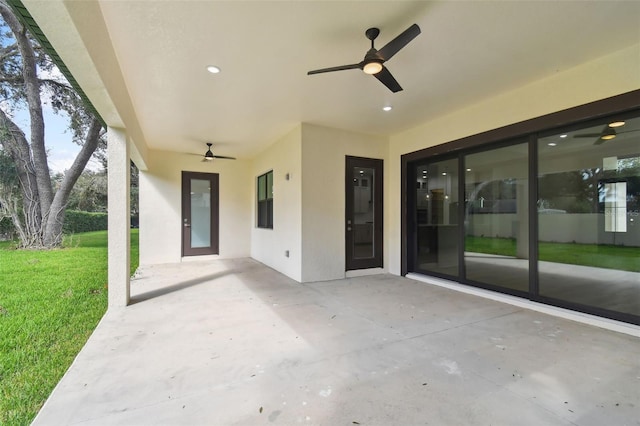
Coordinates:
7	230
78	221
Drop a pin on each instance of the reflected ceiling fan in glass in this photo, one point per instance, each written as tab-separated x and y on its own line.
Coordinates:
608	133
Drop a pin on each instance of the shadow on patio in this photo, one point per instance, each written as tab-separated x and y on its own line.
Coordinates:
234	342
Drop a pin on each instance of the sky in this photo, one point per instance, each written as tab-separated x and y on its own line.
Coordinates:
61	151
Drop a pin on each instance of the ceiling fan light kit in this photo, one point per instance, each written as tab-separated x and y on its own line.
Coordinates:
372	68
374	59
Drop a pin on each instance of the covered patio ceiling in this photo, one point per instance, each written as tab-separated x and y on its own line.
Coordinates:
143	63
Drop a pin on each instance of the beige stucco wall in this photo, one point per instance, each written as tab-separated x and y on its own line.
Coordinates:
269	245
309	207
608	76
323	199
160	206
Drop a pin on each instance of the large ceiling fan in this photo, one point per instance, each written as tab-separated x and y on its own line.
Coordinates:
374	59
208	156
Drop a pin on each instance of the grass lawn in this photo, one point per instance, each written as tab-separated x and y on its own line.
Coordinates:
50	303
599	256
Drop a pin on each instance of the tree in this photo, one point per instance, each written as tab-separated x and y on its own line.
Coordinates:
27	75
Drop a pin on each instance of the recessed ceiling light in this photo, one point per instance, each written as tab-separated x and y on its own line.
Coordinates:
213	69
468	170
444	173
563	136
616	124
552	144
387	108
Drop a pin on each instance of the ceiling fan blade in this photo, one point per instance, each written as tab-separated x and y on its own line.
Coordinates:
387	79
340	68
600	141
223	157
399	42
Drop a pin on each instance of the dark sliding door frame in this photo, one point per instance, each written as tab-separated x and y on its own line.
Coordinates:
531	130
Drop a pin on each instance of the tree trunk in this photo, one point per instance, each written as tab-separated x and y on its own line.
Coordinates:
15	143
32	90
55	218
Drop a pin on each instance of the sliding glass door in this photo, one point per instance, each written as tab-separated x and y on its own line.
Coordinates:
552	216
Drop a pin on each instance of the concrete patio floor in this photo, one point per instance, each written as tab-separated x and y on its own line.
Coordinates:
232	342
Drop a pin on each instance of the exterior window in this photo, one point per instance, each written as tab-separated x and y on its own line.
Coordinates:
265	200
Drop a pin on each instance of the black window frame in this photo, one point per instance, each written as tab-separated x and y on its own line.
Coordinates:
264	207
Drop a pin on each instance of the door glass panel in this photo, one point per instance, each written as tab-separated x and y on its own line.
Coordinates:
200	213
496	223
437	217
589	214
363	212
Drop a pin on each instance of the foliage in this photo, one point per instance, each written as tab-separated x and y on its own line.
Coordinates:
80	221
573	191
9	196
28	81
89	194
51	301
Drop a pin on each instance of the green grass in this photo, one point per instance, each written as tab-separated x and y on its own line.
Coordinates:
599	256
50	303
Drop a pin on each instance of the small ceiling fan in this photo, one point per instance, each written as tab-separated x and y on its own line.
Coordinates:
374	59
605	135
208	156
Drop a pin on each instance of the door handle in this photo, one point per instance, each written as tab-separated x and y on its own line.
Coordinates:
186	225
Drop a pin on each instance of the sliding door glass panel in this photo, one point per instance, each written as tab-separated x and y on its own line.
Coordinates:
437	217
589	216
496	223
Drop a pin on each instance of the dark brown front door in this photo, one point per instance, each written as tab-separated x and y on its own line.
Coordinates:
363	222
199	213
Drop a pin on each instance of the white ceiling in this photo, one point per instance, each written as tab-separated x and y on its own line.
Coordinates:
468	51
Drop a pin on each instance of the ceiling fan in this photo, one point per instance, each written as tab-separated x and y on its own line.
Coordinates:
374	59
208	156
605	135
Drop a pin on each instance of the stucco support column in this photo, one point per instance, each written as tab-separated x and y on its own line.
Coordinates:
119	217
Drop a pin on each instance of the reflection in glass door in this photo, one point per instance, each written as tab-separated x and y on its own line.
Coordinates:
363	202
496	217
437	217
588	210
